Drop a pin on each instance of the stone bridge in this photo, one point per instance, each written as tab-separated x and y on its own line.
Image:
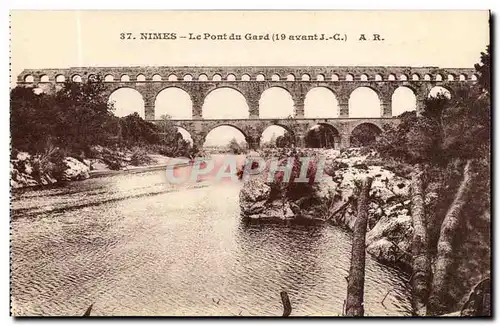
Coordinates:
252	81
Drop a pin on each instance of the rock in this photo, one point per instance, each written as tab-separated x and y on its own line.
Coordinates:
75	170
254	195
23	156
396	230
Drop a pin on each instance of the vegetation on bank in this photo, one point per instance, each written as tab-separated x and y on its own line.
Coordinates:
447	150
78	121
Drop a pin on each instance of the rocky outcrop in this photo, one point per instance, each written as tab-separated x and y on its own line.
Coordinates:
29	171
334	200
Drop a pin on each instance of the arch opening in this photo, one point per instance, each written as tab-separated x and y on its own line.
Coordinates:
364	102
231	77
127	101
225	139
276	102
156	77
186	135
44	79
109	78
322	136
276	136
173	102
364	134
321	102
403	100
140	78
225	103
60	79
290	77
438	91
245	77
29	79
125	78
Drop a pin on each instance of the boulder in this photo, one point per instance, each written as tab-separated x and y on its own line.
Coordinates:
75	170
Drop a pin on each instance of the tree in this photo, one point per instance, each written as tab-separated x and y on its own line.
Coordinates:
234	147
450	142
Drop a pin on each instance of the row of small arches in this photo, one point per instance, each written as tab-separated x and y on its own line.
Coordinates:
260	77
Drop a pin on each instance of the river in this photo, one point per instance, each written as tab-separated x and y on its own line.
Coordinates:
133	244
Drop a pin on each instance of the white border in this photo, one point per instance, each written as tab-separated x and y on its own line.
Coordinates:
192	5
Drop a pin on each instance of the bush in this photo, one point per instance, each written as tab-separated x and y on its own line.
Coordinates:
140	157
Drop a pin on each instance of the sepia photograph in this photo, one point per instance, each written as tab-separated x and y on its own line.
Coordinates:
250	163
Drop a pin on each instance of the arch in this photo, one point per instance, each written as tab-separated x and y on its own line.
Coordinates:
305	77
187	77
403	100
77	78
245	77
364	134
172	77
225	103
349	77
427	77
109	78
231	77
125	78
277	135
403	77
321	102
451	77
473	77
391	77
186	135
364	102
462	77
320	77
156	77
29	79
363	77
44	79
260	77
216	77
202	77
378	77
140	78
60	78
127	100
335	77
439	90
290	77
221	135
275	77
439	77
174	102
276	102
322	135
415	77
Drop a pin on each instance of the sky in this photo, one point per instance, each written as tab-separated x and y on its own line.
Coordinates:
60	39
